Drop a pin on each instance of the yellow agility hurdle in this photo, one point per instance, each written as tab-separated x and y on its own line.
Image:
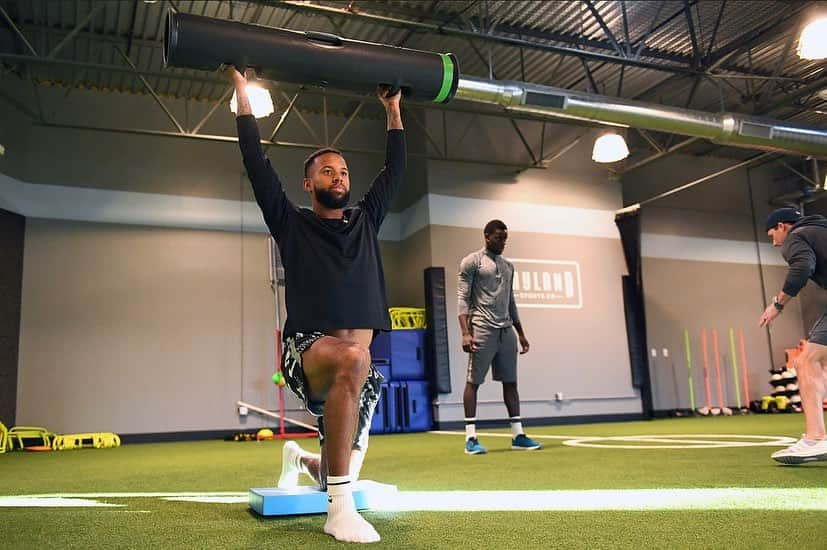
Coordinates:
99	440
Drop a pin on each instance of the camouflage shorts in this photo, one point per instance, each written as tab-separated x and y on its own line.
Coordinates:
294	347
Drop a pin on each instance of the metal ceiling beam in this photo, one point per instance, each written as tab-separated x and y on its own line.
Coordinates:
743	164
17	31
690	24
715	29
152	92
788	20
39	60
451	107
717	59
69	37
19	106
606	30
626	28
283	116
214	108
493	37
350	119
265	143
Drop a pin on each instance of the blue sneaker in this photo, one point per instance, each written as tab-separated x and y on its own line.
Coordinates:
524	443
473	447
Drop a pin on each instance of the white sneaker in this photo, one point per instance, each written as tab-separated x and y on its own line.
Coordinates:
290	466
802	451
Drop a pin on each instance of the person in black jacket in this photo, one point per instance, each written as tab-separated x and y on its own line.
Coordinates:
335	300
803	242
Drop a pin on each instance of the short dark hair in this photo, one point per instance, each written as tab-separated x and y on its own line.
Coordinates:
317	153
492	226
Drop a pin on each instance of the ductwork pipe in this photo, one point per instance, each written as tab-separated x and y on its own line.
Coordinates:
195	42
326	60
722	128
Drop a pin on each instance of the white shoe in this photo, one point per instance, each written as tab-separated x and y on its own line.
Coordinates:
290	466
802	451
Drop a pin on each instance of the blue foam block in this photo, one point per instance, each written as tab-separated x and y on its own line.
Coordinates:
310	500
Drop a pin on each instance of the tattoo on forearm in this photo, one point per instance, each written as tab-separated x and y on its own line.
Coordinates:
394	119
244	107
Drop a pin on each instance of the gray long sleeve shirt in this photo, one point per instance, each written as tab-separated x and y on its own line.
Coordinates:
484	290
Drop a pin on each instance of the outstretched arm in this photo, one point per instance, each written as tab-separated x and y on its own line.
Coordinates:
266	184
802	262
378	198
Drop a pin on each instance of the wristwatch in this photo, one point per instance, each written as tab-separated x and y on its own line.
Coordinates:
778	305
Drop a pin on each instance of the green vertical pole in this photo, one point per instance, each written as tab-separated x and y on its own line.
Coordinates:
735	367
689	368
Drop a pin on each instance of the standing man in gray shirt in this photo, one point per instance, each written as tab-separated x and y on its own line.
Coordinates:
487	313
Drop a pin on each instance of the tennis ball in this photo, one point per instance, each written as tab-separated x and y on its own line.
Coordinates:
278	379
264	433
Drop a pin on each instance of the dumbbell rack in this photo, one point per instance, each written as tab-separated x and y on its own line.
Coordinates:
784	382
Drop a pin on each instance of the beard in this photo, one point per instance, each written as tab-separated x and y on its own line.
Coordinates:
329	200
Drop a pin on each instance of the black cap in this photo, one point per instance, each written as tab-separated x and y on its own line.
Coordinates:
782	215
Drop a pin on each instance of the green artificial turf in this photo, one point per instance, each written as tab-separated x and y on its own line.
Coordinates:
421	462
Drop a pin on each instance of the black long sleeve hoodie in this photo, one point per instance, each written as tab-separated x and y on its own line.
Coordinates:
805	251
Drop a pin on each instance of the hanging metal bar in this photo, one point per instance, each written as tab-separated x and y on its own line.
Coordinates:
750	161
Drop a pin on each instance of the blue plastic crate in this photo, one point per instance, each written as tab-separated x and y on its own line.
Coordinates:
403	351
415	414
379	423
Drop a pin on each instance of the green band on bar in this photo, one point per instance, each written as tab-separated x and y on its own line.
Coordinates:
447	78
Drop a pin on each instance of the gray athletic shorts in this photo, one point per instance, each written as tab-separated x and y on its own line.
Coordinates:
496	348
818	334
291	366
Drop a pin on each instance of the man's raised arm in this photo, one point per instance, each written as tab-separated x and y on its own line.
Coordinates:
266	184
378	198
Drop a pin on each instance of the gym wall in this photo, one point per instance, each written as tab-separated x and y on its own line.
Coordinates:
702	270
146	302
562	218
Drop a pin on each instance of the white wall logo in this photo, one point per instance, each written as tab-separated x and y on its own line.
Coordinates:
547	284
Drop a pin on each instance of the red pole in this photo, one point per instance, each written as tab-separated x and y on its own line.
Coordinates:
717	367
743	366
281	387
706	371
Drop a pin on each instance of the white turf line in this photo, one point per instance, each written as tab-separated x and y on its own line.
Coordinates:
639	499
659	441
470	501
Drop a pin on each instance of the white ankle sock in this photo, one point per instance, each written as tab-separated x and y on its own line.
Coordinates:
516	426
470	428
343	521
